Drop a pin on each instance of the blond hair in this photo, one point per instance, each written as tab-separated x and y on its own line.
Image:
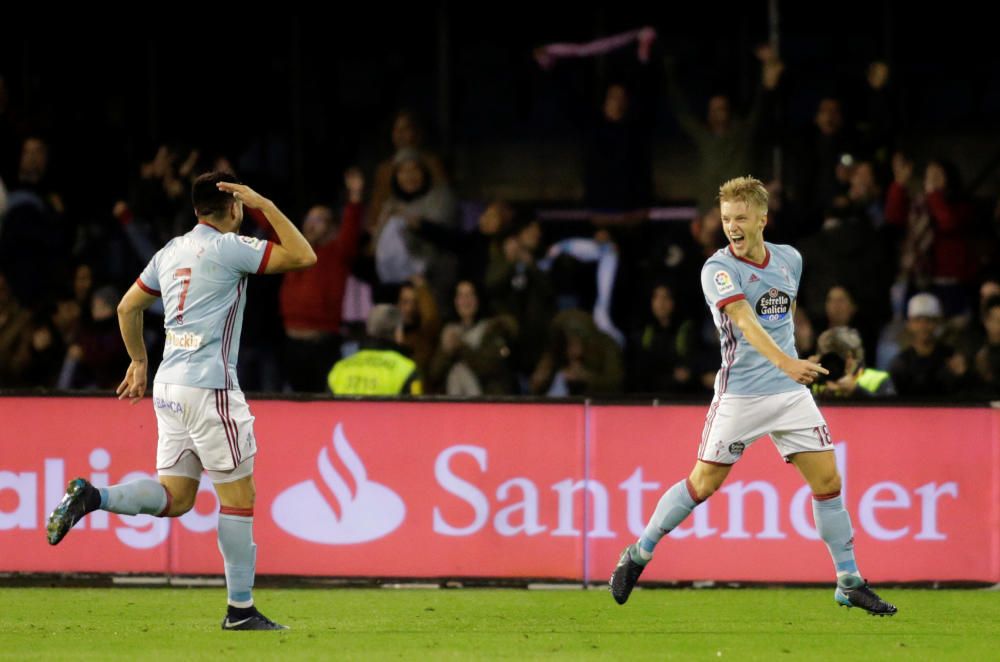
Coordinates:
747	190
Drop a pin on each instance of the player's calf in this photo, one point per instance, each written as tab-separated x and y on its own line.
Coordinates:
140	497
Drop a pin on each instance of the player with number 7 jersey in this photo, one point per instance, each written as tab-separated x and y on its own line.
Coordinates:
203	421
202	278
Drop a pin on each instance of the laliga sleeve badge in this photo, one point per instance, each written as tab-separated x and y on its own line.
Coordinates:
723	282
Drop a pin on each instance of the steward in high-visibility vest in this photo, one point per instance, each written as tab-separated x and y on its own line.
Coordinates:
380	367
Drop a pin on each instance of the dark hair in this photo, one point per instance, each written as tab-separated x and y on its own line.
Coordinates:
476	290
991	303
424	189
416	121
206	197
954	186
661	284
847	289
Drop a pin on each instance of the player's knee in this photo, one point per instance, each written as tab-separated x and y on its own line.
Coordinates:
181	503
248	494
705	489
238	495
706	479
703	485
827	484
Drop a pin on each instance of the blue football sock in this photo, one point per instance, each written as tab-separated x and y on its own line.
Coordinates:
833	523
146	496
674	507
240	555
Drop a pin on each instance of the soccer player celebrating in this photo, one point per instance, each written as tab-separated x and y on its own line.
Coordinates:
203	421
761	389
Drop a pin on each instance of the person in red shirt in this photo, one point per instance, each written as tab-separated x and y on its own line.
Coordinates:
311	299
936	227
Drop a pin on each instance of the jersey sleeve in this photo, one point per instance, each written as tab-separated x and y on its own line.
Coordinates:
796	267
721	283
149	280
243	254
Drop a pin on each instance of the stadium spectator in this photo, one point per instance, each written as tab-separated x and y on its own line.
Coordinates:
83	287
725	144
381	367
99	353
416	199
159	201
14	336
475	249
421	321
515	286
675	254
935	225
34	174
48	352
822	158
840	309
967	333
833	256
805	333
662	351
312	299
841	352
35	241
863	203
406	135
474	356
927	367
987	357
617	160
602	251
580	359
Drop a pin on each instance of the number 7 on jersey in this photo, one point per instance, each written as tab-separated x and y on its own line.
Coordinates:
184	275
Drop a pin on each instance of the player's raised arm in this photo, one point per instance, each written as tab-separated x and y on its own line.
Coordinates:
800	370
294	252
130	310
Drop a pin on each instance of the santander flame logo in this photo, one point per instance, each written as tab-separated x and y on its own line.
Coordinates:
334	511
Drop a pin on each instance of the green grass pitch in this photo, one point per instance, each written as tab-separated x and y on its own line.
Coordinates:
664	624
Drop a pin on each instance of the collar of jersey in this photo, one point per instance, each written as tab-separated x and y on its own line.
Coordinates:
762	265
212	227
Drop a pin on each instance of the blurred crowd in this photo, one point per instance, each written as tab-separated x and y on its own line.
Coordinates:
901	285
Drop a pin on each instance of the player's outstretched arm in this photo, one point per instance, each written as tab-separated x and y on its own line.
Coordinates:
800	370
294	252
130	310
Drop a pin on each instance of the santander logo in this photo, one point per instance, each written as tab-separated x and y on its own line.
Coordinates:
330	510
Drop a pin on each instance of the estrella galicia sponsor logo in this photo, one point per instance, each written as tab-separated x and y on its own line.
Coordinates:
736	448
774	305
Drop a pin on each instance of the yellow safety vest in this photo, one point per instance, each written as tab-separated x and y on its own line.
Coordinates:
374	372
871	379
